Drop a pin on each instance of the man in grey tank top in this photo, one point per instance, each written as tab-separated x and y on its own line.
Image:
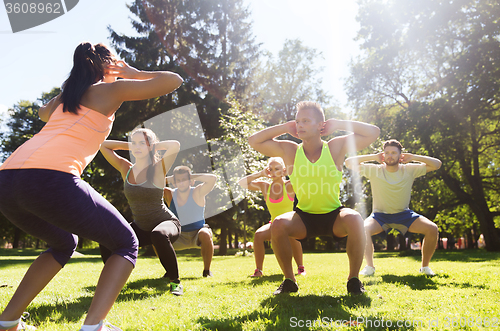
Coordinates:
189	206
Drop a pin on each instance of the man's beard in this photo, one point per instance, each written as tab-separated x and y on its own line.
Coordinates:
391	163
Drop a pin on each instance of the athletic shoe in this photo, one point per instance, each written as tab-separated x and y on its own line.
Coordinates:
257	273
105	326
22	326
207	273
428	271
288	286
301	270
108	327
176	289
355	287
367	271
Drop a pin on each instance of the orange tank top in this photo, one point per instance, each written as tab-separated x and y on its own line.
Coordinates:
67	143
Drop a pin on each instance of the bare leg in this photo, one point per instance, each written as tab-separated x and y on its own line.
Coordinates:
371	228
349	223
39	274
283	227
297	251
113	277
430	231
259	251
207	248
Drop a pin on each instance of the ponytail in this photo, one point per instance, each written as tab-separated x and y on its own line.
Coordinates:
88	69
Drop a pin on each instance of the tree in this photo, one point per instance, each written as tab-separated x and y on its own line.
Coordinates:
209	42
429	76
235	158
292	77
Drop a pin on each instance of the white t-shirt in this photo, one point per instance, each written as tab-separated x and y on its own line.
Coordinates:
391	191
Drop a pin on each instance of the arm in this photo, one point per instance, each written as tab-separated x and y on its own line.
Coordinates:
119	163
138	84
264	142
167	195
250	182
207	185
46	110
171	148
353	162
430	162
363	134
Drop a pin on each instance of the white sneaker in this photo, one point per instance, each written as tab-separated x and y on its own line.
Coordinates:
367	271
428	271
105	326
24	326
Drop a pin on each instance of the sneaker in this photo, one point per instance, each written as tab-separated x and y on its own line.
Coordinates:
257	273
288	286
207	273
354	286
301	270
176	289
428	271
105	326
108	327
367	271
22	326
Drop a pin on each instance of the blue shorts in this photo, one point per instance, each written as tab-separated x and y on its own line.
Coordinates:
56	207
399	221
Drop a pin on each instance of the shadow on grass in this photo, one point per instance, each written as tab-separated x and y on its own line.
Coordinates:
266	279
296	312
420	282
78	307
23	261
463	255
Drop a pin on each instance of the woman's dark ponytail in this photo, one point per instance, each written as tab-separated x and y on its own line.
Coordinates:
88	69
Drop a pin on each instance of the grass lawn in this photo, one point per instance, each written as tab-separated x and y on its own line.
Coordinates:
464	294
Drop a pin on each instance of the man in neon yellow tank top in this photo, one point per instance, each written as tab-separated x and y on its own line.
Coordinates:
315	169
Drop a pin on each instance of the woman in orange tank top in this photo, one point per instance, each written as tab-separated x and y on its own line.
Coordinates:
279	197
42	193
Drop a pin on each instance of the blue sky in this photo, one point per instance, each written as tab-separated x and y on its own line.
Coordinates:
38	59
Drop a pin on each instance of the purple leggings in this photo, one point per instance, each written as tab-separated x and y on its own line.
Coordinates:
55	206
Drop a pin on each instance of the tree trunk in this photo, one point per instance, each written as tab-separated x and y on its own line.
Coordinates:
229	238
390	242
17	237
223	240
236	238
470	239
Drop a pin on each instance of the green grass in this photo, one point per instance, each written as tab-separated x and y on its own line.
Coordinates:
467	287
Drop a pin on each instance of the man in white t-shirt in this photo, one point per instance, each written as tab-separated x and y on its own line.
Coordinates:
391	181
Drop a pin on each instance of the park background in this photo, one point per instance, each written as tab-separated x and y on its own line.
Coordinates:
426	72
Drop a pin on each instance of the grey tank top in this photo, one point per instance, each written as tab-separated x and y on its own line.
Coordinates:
147	205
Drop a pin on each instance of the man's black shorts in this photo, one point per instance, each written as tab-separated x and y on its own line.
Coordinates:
319	225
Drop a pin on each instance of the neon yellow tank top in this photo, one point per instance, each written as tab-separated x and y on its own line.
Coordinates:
316	185
281	206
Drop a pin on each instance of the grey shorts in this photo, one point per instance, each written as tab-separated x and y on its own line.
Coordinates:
189	239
